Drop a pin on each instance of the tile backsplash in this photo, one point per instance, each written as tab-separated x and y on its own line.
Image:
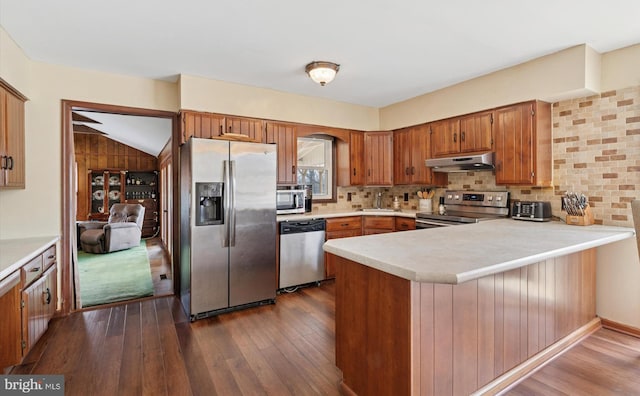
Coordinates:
596	151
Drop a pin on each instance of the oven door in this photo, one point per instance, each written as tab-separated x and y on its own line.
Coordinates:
429	223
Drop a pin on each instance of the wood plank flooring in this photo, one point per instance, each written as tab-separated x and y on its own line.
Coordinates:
150	348
160	264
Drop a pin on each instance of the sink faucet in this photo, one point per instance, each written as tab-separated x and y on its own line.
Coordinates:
379	200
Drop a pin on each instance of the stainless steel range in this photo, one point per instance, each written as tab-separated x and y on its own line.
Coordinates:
463	207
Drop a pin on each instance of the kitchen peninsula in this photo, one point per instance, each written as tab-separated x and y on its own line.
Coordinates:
449	311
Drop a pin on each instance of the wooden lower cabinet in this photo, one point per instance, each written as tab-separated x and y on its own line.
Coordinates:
39	307
378	224
455	339
28	300
10	325
405	224
339	227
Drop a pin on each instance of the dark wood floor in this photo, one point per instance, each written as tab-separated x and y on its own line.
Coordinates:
150	348
160	267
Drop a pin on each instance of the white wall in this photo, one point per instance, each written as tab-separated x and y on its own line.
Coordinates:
197	93
618	283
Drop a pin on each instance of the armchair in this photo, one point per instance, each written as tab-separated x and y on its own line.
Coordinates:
122	231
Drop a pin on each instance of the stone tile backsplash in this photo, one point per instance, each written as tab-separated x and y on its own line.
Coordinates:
596	151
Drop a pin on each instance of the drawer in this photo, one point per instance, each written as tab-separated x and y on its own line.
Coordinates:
379	222
343	234
31	271
344	223
405	223
372	231
49	257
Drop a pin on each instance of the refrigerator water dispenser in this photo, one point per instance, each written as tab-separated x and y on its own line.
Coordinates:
209	204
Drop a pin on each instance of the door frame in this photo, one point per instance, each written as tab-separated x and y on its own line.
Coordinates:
69	199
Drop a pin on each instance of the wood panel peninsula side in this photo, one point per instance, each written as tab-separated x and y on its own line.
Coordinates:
465	309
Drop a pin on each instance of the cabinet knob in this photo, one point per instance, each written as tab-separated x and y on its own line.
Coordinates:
3	162
36	269
406	170
354	171
413	170
455	137
293	169
462	136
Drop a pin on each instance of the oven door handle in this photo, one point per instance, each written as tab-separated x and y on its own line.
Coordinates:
435	223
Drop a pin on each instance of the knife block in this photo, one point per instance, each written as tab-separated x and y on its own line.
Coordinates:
587	219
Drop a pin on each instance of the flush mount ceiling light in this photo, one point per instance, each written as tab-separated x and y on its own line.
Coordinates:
322	72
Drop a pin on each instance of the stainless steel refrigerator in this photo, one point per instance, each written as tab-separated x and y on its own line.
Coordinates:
227	225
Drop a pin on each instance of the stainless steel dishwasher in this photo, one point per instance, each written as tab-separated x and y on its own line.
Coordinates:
301	254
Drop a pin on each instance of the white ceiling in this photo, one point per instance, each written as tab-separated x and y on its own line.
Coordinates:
389	51
148	134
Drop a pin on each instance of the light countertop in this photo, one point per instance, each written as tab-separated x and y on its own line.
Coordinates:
461	253
14	253
344	213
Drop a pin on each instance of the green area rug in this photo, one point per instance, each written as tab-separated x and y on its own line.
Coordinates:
112	277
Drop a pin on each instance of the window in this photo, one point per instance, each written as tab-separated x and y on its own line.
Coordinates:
315	165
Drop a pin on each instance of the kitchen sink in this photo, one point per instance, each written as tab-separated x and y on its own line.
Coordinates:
378	210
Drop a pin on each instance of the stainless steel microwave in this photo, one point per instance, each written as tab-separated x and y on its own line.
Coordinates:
290	201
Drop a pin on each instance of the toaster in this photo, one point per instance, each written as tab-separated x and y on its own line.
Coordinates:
531	210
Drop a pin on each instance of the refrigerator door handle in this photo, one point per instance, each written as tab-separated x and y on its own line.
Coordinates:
232	199
227	205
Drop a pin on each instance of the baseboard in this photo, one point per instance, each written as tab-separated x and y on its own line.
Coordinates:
523	370
621	328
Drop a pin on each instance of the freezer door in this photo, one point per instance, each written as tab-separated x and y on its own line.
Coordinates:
209	256
252	265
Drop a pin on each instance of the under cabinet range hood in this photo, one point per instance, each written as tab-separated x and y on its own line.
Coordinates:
474	162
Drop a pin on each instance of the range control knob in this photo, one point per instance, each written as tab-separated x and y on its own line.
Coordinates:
490	198
498	198
449	196
457	196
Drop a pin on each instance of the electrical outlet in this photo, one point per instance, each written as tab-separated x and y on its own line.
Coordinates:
406	197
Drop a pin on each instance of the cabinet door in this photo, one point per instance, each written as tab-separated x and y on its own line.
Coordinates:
420	148
3	135
245	126
514	144
445	139
475	132
284	136
10	325
402	151
405	224
201	125
39	306
13	118
356	158
378	148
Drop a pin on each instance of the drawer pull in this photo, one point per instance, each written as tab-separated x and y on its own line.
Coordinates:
344	224
47	296
51	256
36	269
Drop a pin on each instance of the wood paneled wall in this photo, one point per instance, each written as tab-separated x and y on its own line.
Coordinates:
100	152
456	338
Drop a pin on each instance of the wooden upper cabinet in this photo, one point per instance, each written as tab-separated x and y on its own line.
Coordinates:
378	149
245	126
475	132
350	160
356	155
284	136
209	125
402	156
466	134
522	134
12	158
445	137
201	125
411	147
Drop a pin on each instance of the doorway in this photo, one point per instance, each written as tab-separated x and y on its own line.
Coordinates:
162	240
